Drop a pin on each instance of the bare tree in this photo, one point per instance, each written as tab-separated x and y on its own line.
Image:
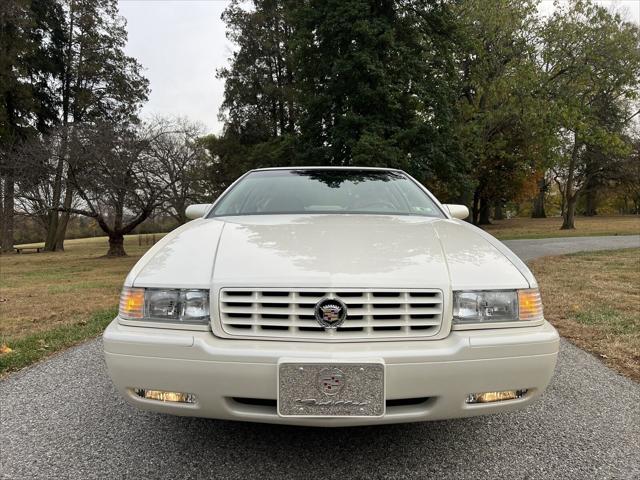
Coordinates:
119	175
39	157
115	179
180	158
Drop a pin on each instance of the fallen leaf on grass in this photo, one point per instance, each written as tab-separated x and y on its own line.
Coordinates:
43	344
5	349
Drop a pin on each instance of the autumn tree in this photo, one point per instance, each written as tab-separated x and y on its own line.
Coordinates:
501	119
591	58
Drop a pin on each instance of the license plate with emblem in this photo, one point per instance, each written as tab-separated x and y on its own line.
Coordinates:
331	389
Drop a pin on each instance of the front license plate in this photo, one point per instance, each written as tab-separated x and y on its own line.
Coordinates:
331	389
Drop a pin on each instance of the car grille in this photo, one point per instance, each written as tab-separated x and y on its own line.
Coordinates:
371	314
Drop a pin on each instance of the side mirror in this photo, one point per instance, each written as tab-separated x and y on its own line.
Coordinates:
197	211
457	211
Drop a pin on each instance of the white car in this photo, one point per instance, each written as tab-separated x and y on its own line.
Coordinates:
330	297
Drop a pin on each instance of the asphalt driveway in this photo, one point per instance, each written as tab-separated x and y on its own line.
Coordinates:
63	419
530	249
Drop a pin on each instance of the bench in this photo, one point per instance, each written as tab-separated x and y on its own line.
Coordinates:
26	249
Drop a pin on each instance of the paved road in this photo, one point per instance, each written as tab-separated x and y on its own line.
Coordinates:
63	419
530	249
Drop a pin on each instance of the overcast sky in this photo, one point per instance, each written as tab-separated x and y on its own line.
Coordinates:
181	43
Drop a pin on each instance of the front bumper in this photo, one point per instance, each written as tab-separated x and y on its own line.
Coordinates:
425	380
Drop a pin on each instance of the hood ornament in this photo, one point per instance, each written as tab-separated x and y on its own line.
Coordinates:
330	312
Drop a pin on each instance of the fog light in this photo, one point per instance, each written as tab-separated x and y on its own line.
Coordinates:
488	397
162	396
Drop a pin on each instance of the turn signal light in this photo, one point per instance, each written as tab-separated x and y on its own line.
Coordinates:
162	396
132	303
530	304
489	397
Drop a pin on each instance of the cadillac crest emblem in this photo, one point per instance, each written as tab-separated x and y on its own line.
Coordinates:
330	312
331	381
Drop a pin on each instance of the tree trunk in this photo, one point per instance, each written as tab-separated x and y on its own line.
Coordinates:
475	209
8	194
590	209
61	232
570	197
563	202
1	210
498	212
116	245
484	212
63	221
538	202
569	216
52	228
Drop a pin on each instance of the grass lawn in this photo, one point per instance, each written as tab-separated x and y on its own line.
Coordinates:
550	227
49	301
593	299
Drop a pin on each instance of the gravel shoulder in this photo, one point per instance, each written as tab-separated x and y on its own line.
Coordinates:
62	418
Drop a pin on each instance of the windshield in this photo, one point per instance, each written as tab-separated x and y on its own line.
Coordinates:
326	191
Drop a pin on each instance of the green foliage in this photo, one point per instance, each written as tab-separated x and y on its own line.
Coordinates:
98	81
484	101
478	99
356	61
30	56
591	60
503	121
335	83
63	60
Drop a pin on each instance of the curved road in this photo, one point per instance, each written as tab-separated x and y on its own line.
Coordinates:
63	419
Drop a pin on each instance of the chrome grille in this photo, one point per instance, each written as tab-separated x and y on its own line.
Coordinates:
371	314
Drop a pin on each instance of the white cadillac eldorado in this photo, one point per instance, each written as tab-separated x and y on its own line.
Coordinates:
330	297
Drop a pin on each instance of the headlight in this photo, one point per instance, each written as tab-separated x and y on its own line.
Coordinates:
496	306
165	305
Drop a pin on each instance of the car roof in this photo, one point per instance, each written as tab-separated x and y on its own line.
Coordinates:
327	167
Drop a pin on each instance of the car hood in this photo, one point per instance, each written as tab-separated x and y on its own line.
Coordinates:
355	251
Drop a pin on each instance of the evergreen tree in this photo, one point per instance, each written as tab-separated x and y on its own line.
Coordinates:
339	83
97	82
30	57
